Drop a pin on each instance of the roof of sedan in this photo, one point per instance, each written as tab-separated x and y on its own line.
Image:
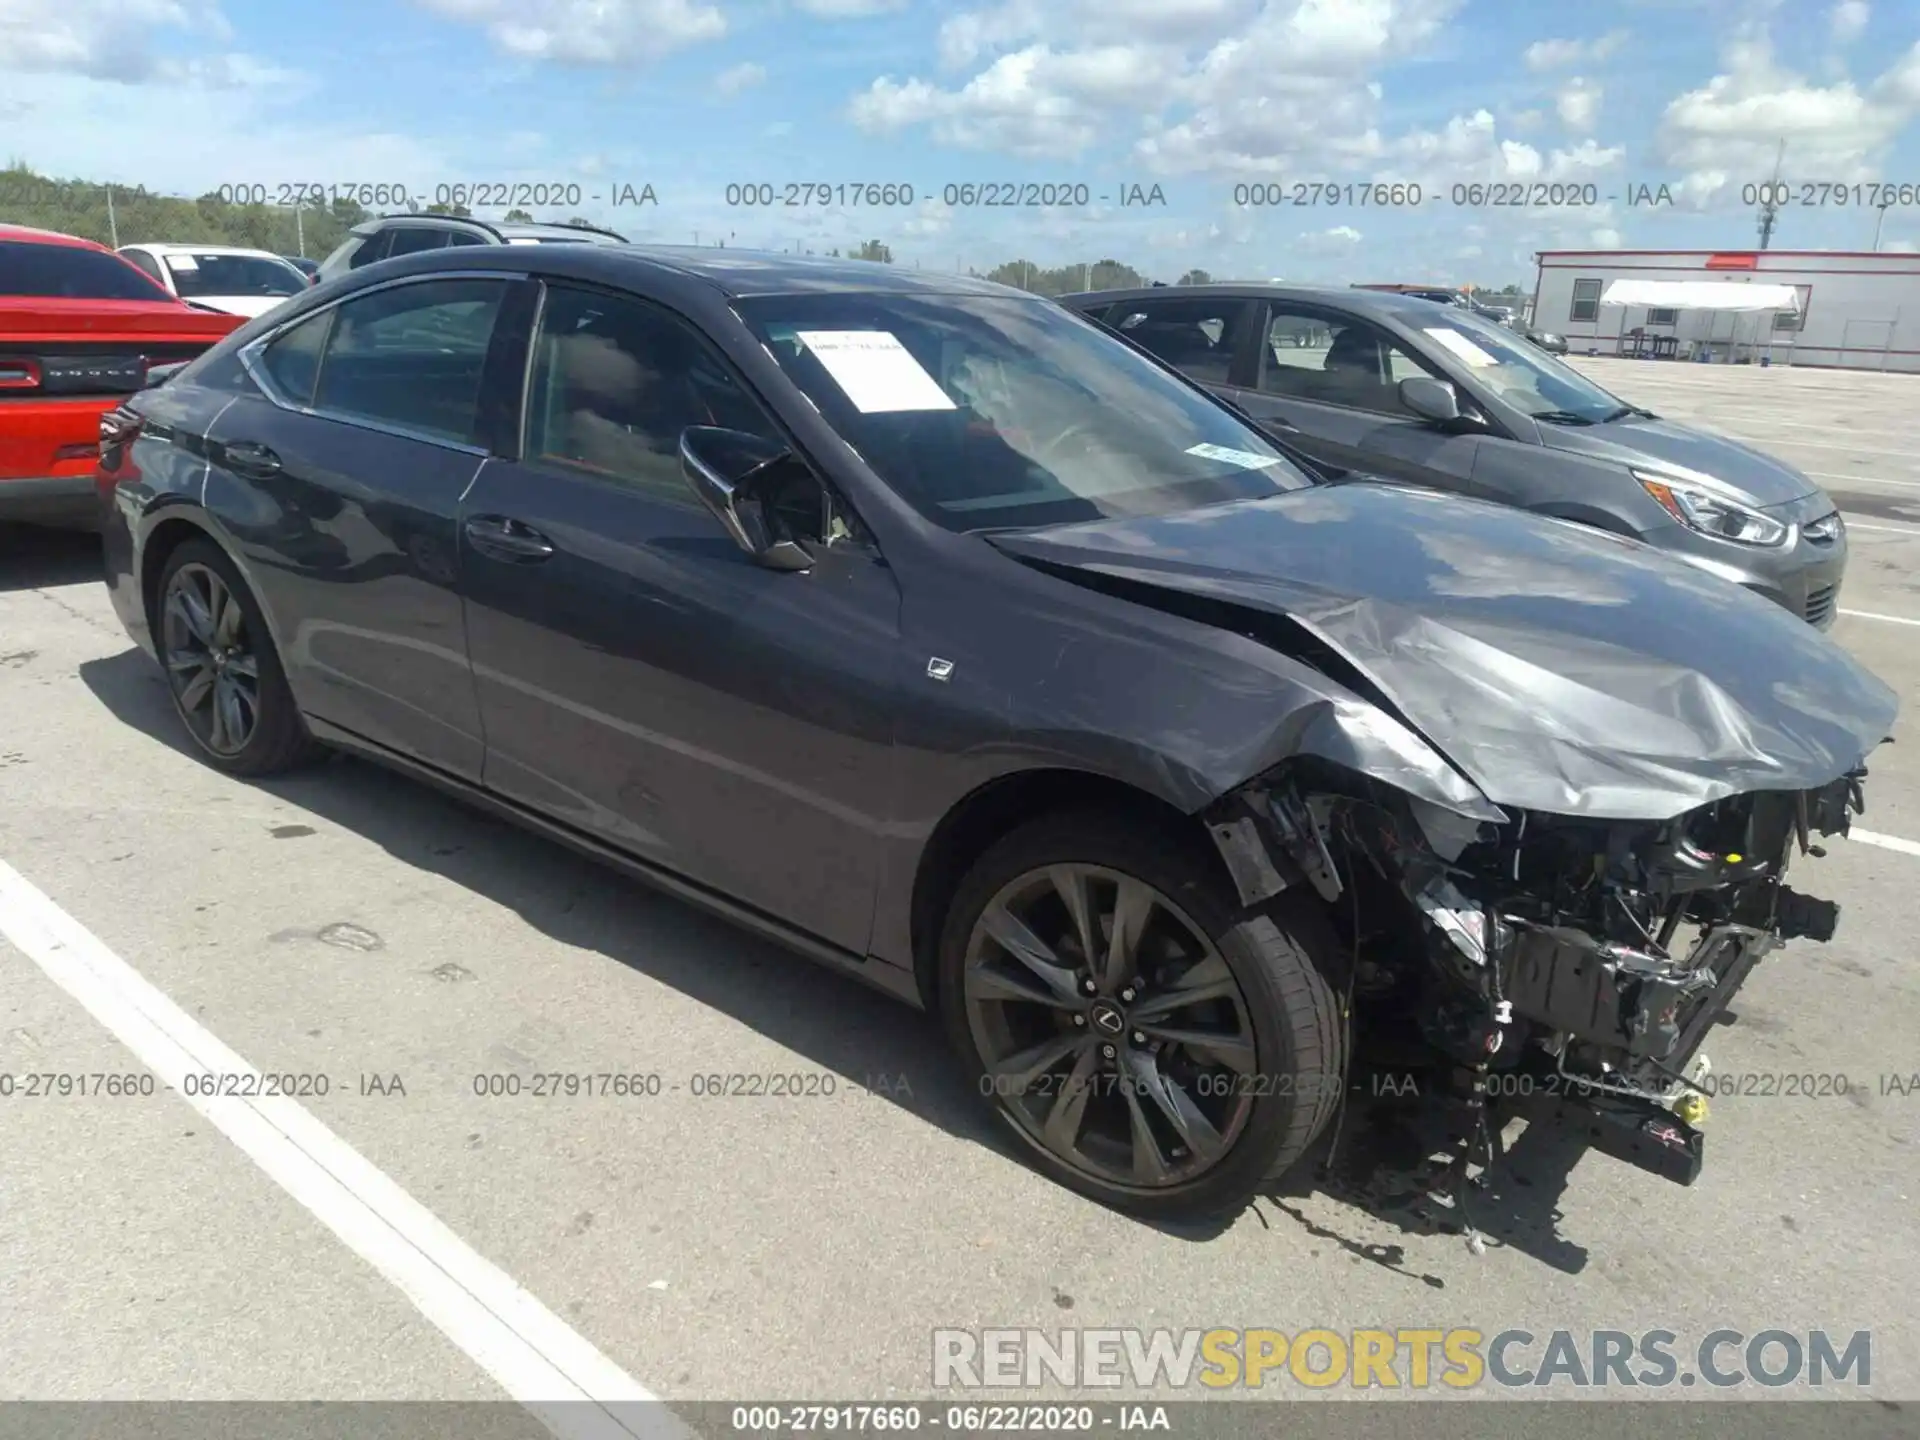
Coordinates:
1385	302
26	234
768	272
735	273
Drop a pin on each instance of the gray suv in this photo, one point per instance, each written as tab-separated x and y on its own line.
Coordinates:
392	235
1400	388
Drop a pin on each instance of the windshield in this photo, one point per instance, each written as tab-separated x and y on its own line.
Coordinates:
1523	375
69	272
988	413
198	276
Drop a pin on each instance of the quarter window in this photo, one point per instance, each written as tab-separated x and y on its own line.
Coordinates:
371	248
412	356
292	360
148	265
1586	301
411	239
616	381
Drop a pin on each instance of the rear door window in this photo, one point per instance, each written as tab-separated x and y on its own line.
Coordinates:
1196	337
412	357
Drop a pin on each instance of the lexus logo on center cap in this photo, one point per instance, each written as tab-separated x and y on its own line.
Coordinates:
1107	1018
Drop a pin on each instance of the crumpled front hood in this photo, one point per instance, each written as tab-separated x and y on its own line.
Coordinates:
1664	445
1559	668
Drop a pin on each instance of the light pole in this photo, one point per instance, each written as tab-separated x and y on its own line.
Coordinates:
1878	221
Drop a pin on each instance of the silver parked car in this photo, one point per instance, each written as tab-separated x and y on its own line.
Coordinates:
1396	387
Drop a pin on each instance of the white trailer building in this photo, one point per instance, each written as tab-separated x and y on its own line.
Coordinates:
1857	310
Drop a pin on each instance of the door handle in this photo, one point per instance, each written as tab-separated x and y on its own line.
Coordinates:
502	538
244	457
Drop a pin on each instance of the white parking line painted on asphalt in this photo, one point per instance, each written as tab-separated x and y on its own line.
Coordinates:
1853	524
1885	842
1876	615
554	1372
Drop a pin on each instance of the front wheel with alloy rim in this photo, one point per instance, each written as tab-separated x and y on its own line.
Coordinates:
221	666
1153	1043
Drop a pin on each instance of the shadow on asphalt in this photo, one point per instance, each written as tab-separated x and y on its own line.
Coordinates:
32	558
1381	1155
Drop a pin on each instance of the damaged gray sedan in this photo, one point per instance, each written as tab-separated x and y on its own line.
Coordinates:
963	647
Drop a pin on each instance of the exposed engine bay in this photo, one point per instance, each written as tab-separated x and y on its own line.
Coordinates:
1573	965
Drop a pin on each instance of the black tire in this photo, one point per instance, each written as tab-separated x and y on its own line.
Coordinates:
279	740
1284	955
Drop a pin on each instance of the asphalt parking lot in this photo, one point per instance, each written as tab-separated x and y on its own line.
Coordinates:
349	925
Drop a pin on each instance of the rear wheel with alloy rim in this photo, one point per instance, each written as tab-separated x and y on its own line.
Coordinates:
1153	1043
221	666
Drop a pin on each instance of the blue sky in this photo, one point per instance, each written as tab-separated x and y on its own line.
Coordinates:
1194	96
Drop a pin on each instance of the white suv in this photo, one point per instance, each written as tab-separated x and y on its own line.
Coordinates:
392	235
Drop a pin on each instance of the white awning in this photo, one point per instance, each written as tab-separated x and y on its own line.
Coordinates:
1702	295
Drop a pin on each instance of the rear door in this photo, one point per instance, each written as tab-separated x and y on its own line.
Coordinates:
340	479
1329	380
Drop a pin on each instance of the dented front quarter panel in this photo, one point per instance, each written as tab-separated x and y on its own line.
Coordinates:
1047	675
1559	669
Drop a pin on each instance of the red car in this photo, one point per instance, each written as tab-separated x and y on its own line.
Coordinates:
79	329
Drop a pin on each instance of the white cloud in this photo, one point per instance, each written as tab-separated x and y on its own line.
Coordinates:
1252	87
1337	239
1558	54
1470	149
115	40
734	79
1732	125
1579	104
1606	237
588	32
1849	18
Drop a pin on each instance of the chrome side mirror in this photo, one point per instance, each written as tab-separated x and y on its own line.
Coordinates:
725	468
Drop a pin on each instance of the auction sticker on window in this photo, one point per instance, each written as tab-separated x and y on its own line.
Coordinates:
1462	346
182	262
876	371
1245	459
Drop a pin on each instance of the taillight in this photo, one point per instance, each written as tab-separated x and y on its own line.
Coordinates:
19	374
118	426
118	429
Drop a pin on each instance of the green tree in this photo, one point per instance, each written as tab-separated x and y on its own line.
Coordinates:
517	216
874	250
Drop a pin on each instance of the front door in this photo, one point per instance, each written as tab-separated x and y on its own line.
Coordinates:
1334	379
641	678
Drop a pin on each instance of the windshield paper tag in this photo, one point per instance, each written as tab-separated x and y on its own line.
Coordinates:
1462	346
182	262
876	371
1245	459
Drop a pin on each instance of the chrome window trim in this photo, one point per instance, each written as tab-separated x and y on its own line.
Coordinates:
250	356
